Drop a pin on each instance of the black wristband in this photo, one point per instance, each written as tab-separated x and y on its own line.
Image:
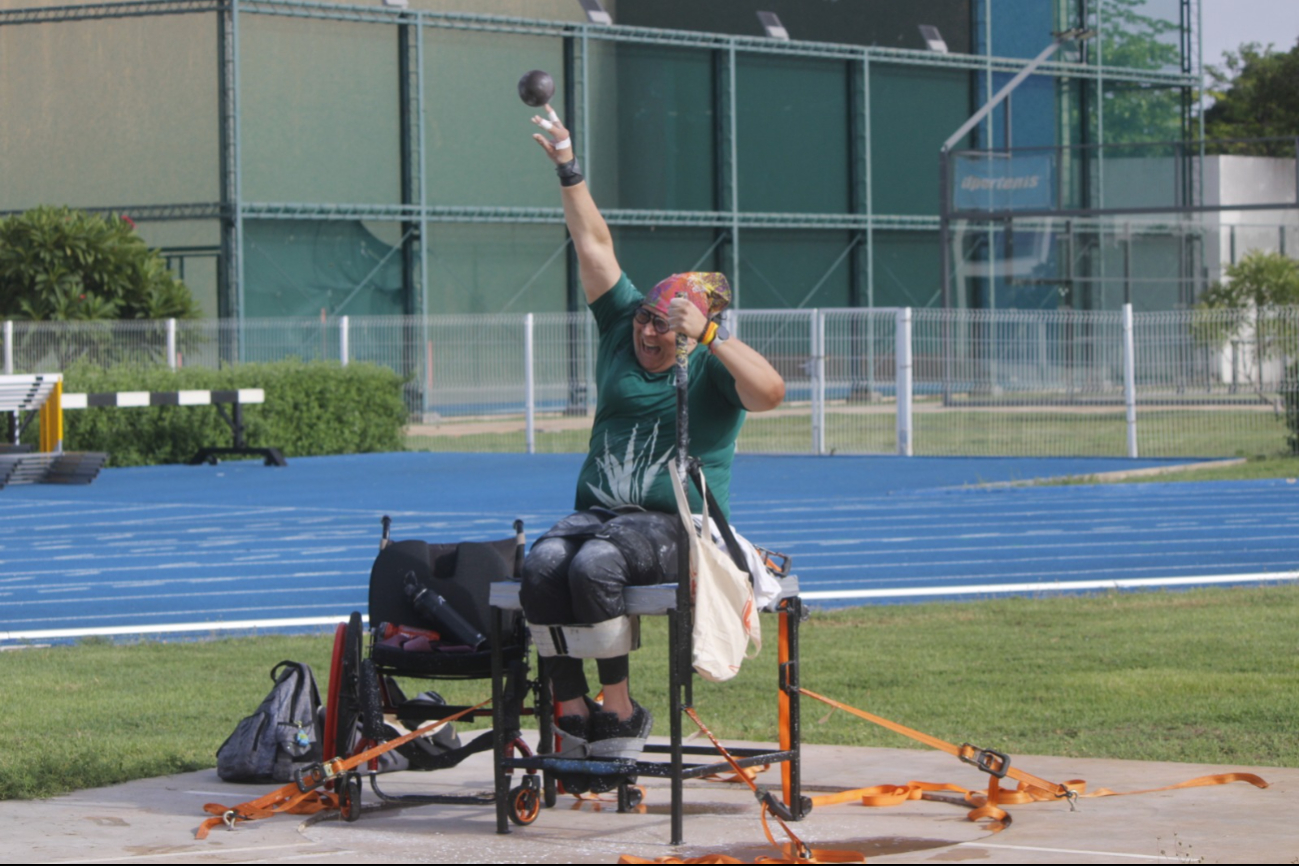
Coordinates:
570	173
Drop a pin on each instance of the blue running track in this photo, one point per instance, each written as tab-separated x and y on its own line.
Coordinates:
235	547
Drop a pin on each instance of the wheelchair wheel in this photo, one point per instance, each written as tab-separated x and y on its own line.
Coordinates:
331	694
524	804
346	701
349	797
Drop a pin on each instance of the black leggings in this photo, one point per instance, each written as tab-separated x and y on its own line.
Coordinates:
576	572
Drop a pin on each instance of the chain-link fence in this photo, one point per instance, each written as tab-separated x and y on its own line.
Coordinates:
969	382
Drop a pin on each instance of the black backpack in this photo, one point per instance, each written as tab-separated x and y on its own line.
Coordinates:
282	735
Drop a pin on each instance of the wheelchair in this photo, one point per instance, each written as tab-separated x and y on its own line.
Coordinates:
409	580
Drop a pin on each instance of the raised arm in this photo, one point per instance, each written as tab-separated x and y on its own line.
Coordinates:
597	265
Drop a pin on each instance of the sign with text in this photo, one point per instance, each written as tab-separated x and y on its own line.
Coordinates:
1003	182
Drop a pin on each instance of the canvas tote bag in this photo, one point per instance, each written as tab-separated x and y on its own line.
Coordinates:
725	617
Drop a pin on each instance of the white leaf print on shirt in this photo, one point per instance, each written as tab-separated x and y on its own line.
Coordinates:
629	479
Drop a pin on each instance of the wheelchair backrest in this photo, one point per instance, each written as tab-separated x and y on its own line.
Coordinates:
460	573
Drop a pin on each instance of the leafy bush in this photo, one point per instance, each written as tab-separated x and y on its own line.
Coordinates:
311	408
60	264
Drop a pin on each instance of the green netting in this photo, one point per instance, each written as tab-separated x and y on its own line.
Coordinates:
792	134
650	255
477	132
191	249
497	268
782	270
319	108
661	127
109	113
907	272
913	111
301	267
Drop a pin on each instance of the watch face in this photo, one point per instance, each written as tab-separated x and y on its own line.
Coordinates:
722	334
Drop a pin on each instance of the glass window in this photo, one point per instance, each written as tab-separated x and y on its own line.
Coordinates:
1140	34
792	114
319	110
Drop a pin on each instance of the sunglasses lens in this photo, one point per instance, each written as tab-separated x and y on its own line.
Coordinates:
660	325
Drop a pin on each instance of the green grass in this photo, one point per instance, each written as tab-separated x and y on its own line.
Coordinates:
1253	468
1161	433
1208	676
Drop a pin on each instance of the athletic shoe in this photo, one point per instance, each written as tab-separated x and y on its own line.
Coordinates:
612	737
574	744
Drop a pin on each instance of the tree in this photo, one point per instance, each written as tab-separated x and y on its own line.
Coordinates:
1247	312
61	264
1256	96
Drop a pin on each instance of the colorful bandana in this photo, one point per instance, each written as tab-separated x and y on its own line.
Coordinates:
708	291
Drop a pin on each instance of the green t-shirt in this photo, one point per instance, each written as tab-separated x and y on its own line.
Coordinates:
633	440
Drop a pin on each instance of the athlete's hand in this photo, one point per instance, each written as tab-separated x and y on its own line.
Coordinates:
559	147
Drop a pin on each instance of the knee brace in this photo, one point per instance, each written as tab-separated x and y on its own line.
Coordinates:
604	640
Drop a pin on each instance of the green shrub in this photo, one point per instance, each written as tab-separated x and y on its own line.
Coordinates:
61	264
311	408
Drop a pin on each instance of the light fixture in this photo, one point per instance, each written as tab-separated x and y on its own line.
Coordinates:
595	12
933	38
771	23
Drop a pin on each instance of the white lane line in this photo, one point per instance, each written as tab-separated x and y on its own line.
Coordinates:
1048	575
1061	586
291	561
212	625
803	556
264	591
940	534
1162	858
173	628
795	547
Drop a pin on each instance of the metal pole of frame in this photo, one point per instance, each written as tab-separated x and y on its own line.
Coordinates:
904	382
1130	380
732	111
529	386
945	264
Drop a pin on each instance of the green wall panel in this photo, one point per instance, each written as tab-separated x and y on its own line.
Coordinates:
650	255
664	123
491	268
782	270
913	111
113	112
907	272
301	267
319	105
477	131
792	118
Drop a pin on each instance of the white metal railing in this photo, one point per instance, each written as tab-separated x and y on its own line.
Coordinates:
904	381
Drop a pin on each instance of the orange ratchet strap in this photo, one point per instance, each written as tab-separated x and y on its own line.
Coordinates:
793	851
300	797
985	804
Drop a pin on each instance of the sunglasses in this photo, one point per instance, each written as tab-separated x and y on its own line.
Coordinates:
643	315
